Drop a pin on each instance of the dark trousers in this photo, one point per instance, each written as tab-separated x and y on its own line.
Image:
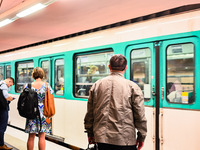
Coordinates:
3	125
103	146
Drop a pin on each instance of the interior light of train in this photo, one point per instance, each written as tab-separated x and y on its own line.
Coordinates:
31	10
5	22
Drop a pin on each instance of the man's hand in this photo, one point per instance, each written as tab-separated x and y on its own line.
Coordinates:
10	98
139	145
91	140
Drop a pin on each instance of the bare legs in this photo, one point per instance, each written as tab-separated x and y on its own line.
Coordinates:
41	143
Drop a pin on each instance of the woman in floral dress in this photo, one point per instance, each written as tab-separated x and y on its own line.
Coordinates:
33	125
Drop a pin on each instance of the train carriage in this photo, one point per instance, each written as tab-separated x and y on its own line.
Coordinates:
163	59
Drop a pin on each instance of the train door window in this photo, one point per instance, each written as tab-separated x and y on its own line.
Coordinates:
1	73
141	70
59	77
45	67
23	75
180	73
88	69
8	71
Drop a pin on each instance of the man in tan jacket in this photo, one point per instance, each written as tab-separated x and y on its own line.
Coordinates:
116	110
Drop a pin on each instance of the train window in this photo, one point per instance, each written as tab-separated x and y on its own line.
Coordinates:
8	71
180	73
1	72
45	67
59	77
141	70
90	68
23	75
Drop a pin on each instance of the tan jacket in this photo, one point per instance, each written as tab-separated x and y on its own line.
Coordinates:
115	110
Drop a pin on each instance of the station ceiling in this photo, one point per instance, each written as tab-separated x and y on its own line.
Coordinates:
64	17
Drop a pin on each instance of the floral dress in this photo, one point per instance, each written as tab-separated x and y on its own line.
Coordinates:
33	125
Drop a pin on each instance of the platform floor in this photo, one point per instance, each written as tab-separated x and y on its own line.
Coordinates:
17	139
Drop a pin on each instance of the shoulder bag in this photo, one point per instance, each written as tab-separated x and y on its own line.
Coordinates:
49	105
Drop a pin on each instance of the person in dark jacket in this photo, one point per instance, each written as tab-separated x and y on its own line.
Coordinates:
5	87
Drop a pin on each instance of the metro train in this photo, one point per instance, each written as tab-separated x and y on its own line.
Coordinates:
162	52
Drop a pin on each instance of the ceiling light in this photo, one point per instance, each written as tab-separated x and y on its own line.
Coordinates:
31	10
5	22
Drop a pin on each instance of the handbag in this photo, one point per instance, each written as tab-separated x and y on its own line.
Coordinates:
49	105
3	101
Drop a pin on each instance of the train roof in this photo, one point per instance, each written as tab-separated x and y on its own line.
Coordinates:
68	18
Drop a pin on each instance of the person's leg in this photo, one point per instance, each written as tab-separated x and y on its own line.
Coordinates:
3	125
42	142
30	142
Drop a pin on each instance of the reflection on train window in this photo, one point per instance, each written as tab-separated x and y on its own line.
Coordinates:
89	69
23	75
1	73
8	71
141	70
59	77
45	67
180	73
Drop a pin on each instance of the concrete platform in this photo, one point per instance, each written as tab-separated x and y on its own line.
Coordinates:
17	139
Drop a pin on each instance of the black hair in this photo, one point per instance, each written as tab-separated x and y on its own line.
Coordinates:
118	62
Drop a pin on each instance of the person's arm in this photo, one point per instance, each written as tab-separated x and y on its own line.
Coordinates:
139	145
5	92
89	119
139	116
10	98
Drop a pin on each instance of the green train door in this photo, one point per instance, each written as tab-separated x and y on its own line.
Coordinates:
178	101
141	64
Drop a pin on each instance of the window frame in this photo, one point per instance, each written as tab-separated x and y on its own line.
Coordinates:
149	73
55	74
3	66
6	70
16	70
50	67
194	86
75	56
183	40
53	59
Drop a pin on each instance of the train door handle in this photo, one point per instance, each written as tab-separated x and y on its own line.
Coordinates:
153	93
162	92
